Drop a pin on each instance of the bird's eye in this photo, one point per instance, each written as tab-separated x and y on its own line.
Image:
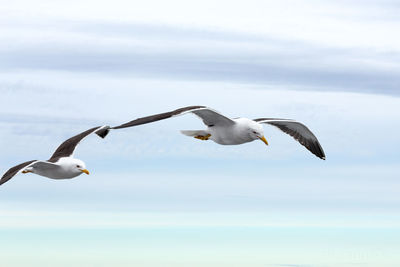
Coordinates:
78	166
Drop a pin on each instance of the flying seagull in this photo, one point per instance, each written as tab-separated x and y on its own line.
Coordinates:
61	165
226	131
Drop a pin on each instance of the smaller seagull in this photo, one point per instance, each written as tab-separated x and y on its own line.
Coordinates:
226	131
61	165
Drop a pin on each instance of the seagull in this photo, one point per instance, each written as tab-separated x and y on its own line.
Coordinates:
61	165
226	131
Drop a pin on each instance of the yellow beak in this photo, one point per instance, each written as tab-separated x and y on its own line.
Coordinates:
264	140
85	171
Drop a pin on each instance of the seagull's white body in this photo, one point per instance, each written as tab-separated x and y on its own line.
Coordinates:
235	134
64	168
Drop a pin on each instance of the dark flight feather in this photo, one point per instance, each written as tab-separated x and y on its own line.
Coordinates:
156	117
67	148
13	171
307	139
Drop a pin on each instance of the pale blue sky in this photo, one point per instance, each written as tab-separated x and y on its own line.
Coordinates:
332	65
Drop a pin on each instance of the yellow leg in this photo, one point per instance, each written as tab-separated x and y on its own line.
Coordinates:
203	137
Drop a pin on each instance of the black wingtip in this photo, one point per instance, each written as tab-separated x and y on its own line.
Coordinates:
103	131
319	153
3	180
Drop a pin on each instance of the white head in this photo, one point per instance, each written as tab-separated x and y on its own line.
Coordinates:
256	131
76	165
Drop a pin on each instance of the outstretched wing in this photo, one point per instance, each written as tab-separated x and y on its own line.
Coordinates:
209	117
43	165
67	148
14	170
299	132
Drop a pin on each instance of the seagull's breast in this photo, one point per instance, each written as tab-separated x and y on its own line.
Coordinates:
230	135
56	173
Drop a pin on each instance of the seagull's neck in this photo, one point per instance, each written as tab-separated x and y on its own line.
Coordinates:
244	121
65	161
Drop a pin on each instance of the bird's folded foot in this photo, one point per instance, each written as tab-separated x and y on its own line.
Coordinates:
203	137
26	171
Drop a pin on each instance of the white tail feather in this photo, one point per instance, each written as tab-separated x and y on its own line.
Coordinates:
194	132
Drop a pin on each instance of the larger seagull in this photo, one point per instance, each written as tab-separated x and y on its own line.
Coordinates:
61	165
226	131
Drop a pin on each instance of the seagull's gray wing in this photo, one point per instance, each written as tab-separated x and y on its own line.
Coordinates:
67	148
32	163
299	132
14	170
209	117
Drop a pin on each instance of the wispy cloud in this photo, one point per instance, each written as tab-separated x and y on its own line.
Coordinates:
193	53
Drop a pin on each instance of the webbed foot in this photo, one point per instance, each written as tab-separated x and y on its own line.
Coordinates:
203	137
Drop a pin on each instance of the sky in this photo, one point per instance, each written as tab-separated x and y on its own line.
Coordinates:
157	198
